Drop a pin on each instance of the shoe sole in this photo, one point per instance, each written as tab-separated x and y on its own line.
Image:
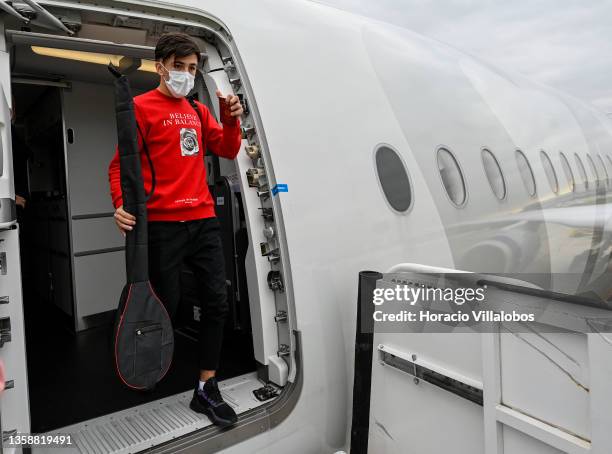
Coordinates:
198	408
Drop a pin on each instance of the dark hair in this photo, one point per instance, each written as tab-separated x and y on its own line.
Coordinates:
177	44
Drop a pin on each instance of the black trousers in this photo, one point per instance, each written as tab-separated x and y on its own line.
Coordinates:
198	243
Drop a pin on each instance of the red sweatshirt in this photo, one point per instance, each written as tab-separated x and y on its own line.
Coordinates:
171	129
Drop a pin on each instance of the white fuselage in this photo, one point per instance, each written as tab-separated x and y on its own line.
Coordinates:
330	87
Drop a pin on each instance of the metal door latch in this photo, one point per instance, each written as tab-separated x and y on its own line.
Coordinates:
273	258
228	64
245	104
263	194
248	131
5	336
253	152
266	393
281	316
275	281
267	213
267	249
268	232
284	350
255	177
3	267
5	331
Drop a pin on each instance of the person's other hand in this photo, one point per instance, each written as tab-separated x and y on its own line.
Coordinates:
234	103
20	201
124	220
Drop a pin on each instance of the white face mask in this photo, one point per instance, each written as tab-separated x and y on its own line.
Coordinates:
180	83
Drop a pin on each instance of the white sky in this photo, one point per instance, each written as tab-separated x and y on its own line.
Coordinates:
563	43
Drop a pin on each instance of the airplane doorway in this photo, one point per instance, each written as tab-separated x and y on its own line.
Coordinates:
69	356
70	378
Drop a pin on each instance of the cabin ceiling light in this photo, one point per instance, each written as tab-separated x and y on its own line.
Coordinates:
89	57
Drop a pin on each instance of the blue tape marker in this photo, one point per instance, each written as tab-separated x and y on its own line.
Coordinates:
280	188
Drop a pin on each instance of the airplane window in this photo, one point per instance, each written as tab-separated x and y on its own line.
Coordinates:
582	171
526	173
569	175
393	178
549	169
605	170
452	177
593	170
494	174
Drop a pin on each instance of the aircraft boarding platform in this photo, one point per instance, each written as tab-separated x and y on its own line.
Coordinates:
154	423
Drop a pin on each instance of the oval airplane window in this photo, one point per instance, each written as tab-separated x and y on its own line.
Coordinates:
593	169
569	175
526	173
494	174
452	177
393	178
605	170
581	171
549	169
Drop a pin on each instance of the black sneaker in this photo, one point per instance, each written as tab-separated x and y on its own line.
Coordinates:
210	402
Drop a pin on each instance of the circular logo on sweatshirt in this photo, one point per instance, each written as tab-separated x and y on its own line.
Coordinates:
189	142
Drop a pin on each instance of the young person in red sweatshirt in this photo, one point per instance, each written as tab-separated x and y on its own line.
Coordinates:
181	213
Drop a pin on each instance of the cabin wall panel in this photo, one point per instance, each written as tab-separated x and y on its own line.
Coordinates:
89	110
95	234
99	280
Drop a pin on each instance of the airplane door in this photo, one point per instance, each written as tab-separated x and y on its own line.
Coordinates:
14	403
262	305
